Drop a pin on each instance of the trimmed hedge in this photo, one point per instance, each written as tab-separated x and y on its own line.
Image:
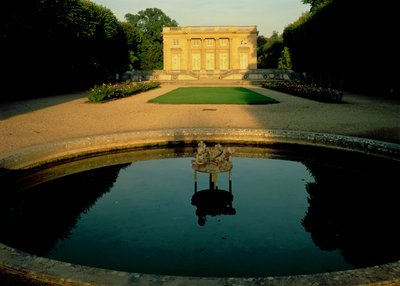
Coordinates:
306	91
107	92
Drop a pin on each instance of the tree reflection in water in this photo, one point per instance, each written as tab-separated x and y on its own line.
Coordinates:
355	211
35	220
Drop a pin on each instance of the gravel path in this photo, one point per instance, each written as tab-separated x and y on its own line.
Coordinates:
44	120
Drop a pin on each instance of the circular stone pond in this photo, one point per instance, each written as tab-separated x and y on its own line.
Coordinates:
294	208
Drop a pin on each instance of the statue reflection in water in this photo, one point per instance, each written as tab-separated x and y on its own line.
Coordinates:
212	201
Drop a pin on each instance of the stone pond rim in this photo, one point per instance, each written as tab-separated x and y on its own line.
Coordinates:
38	269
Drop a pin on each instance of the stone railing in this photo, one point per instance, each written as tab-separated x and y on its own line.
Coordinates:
254	75
192	29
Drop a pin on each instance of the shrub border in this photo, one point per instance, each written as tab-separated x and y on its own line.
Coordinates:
107	92
313	92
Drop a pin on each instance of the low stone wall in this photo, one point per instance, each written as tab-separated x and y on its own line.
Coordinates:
216	75
73	149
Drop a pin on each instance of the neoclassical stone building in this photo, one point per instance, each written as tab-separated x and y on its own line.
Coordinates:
210	49
212	54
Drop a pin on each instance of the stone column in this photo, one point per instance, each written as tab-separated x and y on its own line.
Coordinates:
203	54
216	54
230	53
189	54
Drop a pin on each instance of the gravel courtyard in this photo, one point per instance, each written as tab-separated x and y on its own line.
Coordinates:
45	120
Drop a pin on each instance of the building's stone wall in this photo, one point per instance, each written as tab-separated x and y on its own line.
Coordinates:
215	49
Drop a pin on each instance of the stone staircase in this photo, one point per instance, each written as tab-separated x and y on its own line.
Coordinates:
212	82
212	77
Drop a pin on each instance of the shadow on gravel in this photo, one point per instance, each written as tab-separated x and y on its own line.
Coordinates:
14	108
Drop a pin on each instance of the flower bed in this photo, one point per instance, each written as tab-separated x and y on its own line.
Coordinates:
106	92
306	91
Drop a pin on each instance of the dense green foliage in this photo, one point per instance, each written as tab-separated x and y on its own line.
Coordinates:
271	53
56	46
148	25
347	45
306	91
106	92
285	62
212	95
315	4
269	50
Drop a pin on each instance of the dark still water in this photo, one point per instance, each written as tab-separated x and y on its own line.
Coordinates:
287	216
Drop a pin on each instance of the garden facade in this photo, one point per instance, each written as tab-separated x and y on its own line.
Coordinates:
217	52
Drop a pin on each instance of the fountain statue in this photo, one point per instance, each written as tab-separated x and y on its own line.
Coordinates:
212	201
212	160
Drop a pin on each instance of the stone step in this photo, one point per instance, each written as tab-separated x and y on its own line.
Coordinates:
212	82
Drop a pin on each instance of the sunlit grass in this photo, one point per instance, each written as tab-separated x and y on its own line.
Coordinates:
212	95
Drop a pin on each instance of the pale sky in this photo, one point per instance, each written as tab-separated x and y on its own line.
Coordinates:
267	15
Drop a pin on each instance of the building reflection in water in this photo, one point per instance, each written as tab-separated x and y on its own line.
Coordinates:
212	201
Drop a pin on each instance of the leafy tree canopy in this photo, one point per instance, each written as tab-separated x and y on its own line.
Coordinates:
67	44
316	4
269	50
148	25
341	43
150	22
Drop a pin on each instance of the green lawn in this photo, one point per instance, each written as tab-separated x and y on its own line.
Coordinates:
212	95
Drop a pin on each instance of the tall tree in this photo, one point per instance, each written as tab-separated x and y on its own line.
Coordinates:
132	39
285	61
58	46
347	44
149	24
270	52
314	3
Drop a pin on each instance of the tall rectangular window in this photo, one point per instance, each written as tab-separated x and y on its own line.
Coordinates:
244	61
210	61
176	61
223	61
196	60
